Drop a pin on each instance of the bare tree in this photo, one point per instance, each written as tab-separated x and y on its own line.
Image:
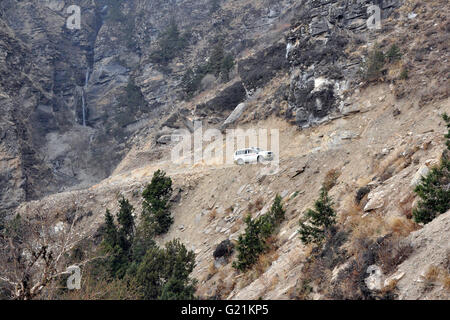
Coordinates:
34	253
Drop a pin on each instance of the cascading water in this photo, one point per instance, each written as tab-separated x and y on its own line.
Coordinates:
83	98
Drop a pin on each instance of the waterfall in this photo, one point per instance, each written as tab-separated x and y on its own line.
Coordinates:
83	97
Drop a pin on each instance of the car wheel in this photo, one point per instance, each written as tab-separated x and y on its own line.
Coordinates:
240	162
259	160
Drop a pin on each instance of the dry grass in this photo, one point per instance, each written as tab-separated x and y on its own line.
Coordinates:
264	262
391	253
402	226
406	206
212	270
391	287
331	178
350	213
236	226
432	274
256	205
212	215
446	281
259	203
435	275
368	227
386	168
229	210
224	288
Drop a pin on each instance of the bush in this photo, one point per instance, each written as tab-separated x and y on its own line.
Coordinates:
434	189
374	65
254	241
404	74
224	249
316	223
331	178
377	59
214	6
393	53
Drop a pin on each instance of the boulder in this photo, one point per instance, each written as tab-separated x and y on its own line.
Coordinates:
422	172
376	201
235	115
224	249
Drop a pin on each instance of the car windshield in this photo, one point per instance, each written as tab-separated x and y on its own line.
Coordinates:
257	149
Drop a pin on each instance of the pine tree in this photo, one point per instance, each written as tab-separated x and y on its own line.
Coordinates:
254	241
112	246
216	58
250	245
434	189
316	222
164	273
226	66
156	206
126	219
110	233
277	211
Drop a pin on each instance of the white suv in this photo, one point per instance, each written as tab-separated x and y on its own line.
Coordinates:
252	155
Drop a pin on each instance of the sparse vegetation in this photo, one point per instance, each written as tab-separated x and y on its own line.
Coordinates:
393	54
434	189
171	43
126	21
376	62
130	102
331	178
219	64
214	5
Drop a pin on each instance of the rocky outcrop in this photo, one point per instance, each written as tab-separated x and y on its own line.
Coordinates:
258	69
224	100
321	70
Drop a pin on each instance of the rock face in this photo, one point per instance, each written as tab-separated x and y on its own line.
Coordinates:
225	100
320	68
259	69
